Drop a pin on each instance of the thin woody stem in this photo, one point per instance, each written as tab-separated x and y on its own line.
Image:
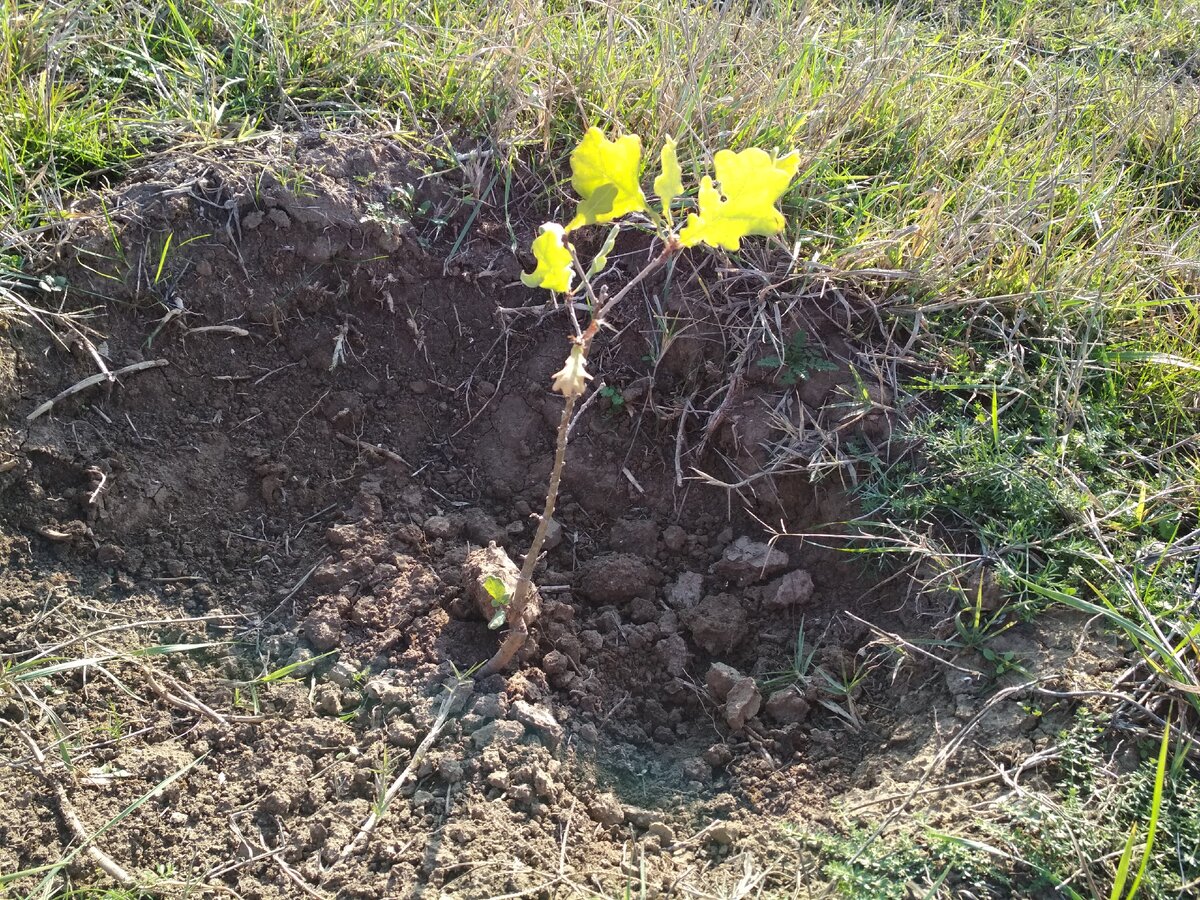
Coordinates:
587	286
518	629
667	252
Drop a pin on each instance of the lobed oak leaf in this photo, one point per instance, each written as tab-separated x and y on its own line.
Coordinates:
605	175
555	270
752	181
669	184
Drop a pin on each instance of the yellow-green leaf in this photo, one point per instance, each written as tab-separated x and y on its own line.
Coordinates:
554	271
752	181
600	260
598	163
596	208
669	184
497	590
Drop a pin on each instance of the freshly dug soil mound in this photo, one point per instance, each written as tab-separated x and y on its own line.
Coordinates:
341	416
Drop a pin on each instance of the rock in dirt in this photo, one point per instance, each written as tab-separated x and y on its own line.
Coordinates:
343	673
663	832
540	720
643	610
323	629
450	769
722	834
556	663
402	734
276	803
341	536
543	784
554	535
721	679
639	817
696	769
607	810
674	538
718	755
499	733
718	623
303	661
793	589
332	576
109	556
742	703
386	692
685	592
440	527
673	651
616	578
493	561
489	706
422	799
787	706
960	683
746	561
481	528
327	700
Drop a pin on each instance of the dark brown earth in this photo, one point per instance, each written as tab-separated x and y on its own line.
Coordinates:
300	487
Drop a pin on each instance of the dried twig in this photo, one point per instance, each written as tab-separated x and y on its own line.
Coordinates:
91	381
181	698
66	812
938	762
374	449
368	826
296	587
232	330
518	627
908	645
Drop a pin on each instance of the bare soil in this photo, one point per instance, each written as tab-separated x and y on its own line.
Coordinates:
301	485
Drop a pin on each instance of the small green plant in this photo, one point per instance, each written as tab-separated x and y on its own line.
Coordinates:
834	691
606	174
287	670
799	670
115	726
798	361
614	396
384	775
500	595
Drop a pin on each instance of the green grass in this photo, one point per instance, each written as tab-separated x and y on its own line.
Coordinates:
1091	819
1013	188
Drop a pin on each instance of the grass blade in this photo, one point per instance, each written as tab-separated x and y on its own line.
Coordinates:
1155	809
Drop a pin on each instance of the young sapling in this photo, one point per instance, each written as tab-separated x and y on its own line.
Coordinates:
606	174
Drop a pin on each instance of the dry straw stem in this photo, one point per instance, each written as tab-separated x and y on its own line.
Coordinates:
92	381
369	824
68	815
